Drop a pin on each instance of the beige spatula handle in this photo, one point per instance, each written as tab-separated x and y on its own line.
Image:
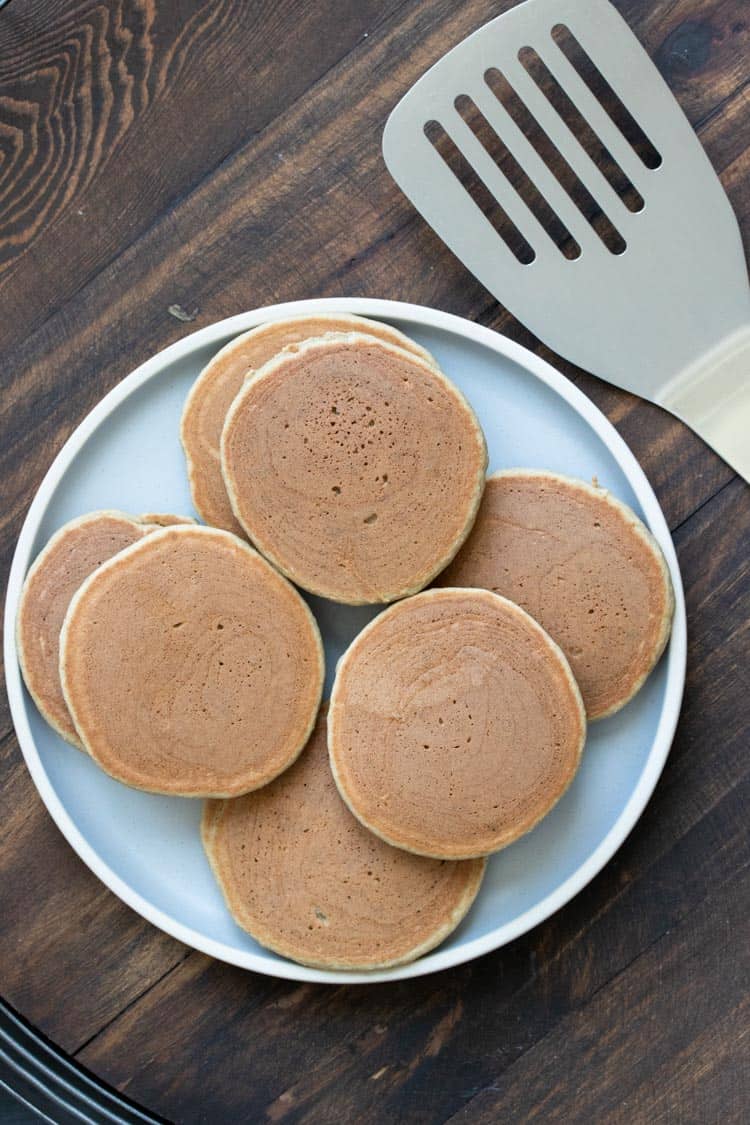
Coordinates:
713	398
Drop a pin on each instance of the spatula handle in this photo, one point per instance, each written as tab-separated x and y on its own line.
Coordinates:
713	398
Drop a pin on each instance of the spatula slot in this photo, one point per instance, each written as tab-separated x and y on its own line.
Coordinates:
549	153
606	96
479	192
579	127
516	177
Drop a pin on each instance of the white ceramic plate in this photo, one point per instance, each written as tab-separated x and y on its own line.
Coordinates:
126	454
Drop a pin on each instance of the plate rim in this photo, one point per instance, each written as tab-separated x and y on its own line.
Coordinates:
676	654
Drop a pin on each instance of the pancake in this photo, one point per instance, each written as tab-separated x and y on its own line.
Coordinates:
71	555
455	724
581	563
190	666
164	519
305	878
216	386
354	466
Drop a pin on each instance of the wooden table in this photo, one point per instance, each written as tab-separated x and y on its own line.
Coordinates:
166	163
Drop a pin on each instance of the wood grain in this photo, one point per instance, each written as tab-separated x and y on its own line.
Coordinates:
111	112
608	1062
163	155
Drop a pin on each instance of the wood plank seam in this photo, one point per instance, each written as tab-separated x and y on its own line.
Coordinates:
699	508
180	961
709	117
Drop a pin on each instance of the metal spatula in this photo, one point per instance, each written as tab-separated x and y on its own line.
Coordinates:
628	261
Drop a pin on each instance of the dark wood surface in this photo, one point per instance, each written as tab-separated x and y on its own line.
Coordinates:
163	158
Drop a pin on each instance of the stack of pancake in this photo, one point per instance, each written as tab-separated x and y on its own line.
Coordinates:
331	454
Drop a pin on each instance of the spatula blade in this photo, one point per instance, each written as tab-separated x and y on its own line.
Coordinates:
639	317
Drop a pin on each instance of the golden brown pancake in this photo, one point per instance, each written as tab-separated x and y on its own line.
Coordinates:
582	564
216	386
354	466
190	666
455	724
71	555
305	878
